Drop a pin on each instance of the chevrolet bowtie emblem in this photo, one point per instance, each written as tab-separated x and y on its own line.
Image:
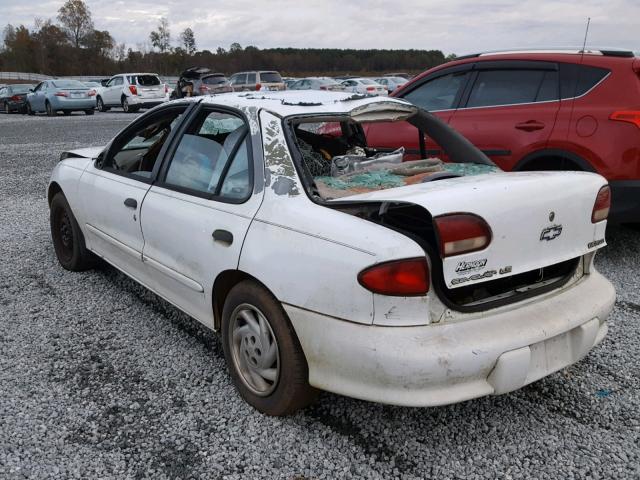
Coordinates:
550	233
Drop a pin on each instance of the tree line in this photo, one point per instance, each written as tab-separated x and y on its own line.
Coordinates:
72	46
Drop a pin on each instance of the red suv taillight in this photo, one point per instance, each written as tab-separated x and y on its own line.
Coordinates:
133	90
602	205
629	116
371	89
258	86
400	278
462	233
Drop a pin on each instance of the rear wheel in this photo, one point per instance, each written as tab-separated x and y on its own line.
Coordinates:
263	354
29	110
7	109
49	109
68	241
125	105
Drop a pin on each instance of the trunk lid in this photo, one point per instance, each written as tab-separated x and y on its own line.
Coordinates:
537	219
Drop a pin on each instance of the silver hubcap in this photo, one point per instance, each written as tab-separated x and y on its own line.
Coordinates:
254	349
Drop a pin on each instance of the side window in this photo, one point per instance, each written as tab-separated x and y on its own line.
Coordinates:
111	82
251	78
239	79
576	80
211	159
135	152
118	81
505	87
439	93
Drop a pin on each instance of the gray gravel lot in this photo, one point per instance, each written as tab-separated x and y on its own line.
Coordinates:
102	379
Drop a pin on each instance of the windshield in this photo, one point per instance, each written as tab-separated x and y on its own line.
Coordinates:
147	80
68	84
20	88
334	153
270	77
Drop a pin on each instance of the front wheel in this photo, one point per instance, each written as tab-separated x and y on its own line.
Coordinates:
68	241
263	354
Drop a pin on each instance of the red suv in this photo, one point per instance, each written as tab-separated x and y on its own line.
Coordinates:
537	110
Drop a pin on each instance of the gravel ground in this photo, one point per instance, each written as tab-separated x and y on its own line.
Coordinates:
102	379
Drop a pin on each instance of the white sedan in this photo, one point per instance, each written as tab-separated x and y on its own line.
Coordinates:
364	86
326	265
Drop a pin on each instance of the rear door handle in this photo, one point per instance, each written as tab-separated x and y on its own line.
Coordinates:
223	236
530	126
131	203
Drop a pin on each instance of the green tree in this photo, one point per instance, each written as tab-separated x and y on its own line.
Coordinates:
75	18
188	39
161	38
235	47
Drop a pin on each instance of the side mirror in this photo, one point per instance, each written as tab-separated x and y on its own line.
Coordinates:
31	90
104	82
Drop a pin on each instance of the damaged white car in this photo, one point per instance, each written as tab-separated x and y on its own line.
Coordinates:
327	265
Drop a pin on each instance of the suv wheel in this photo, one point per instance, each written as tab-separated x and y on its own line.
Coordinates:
100	105
263	354
125	105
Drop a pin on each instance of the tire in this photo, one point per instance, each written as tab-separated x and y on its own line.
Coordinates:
68	241
125	105
289	391
7	109
89	112
49	109
100	105
29	110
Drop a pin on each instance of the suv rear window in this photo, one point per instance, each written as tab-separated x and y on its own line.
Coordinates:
576	80
146	80
214	80
270	77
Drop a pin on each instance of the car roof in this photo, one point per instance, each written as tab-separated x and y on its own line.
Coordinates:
300	102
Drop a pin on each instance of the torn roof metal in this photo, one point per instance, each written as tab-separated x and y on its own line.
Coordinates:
305	102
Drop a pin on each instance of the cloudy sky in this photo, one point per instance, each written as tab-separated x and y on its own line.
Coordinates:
453	26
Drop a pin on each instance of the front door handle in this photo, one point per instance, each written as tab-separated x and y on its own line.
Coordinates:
131	203
530	126
223	236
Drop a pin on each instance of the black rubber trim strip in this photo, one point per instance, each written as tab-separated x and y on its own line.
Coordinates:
496	153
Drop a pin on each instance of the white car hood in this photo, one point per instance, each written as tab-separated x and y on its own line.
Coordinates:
89	152
518	207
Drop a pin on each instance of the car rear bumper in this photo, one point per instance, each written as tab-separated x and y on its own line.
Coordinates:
500	351
145	102
70	104
625	201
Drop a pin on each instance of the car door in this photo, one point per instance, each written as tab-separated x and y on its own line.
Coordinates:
113	91
440	94
509	109
114	187
195	217
38	96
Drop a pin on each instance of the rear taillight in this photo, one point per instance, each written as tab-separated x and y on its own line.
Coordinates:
133	90
258	86
61	94
371	89
166	88
15	98
400	278
92	93
602	206
462	233
324	87
629	116
203	89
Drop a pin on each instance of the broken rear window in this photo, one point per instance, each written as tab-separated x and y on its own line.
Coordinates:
337	162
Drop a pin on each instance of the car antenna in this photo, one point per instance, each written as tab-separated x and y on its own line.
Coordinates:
584	46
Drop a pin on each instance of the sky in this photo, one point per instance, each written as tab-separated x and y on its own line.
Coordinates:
454	26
